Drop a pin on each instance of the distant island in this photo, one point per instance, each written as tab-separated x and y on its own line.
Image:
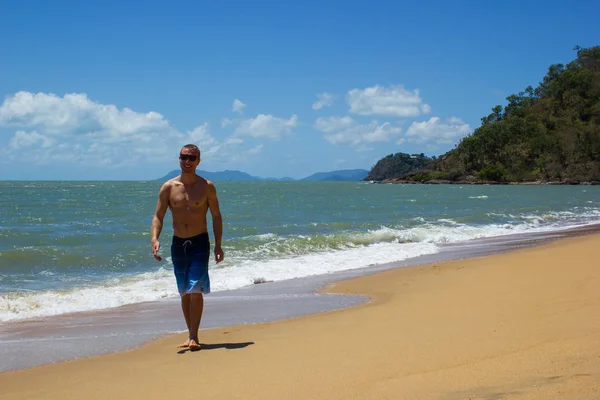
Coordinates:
546	135
346	175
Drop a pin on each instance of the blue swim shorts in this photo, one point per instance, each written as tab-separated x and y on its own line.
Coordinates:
190	262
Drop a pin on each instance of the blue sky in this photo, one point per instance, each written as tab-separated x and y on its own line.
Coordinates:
112	90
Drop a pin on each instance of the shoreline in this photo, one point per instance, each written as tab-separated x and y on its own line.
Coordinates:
127	327
518	324
447	182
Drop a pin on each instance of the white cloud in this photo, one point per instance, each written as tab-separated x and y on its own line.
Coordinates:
266	126
346	131
23	139
323	100
394	101
438	131
225	122
332	124
76	113
208	144
200	134
238	106
74	128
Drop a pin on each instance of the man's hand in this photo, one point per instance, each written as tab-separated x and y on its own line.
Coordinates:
219	255
155	248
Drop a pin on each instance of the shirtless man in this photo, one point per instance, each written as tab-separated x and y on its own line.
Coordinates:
189	197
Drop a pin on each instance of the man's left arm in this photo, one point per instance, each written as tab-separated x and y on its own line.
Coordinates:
213	204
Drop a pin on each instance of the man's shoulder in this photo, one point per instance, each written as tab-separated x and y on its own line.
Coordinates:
205	181
209	183
172	182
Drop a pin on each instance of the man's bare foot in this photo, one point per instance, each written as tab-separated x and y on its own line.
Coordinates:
194	346
184	345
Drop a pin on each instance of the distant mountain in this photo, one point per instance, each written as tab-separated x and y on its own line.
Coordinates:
238	176
341	175
219	176
284	179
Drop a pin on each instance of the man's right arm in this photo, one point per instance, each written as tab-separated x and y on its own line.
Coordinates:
159	215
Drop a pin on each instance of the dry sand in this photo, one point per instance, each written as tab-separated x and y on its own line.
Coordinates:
520	325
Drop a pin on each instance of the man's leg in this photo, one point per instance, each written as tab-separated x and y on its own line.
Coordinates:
186	308
196	308
198	284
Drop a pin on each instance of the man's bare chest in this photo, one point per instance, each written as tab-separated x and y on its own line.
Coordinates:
193	196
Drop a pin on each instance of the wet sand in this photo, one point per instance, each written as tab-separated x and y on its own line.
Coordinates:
518	325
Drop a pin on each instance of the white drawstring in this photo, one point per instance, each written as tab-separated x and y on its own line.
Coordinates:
185	246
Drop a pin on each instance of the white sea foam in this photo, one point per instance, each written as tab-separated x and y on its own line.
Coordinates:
113	293
161	284
279	258
246	272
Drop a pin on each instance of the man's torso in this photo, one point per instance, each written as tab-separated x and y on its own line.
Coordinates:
189	204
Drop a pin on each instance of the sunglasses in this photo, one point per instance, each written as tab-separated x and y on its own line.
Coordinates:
184	157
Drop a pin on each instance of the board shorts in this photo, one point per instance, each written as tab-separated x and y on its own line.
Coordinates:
190	263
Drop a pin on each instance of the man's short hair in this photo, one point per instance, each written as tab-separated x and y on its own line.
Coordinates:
192	147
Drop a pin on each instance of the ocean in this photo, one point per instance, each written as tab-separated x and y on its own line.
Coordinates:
70	247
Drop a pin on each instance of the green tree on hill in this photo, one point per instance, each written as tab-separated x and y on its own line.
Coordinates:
396	165
550	133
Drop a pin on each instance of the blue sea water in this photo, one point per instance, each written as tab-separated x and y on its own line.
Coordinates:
81	246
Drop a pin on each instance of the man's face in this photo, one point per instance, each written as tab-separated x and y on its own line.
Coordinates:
188	159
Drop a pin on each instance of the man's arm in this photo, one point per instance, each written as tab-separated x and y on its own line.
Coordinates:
213	204
159	215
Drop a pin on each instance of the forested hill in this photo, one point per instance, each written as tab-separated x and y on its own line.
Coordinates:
550	133
395	165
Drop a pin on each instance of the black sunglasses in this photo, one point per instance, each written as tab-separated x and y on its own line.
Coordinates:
184	157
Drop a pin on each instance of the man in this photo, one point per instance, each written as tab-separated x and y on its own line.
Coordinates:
189	197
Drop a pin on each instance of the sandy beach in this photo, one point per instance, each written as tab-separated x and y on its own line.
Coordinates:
518	325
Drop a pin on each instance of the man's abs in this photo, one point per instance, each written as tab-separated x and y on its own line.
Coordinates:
188	223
